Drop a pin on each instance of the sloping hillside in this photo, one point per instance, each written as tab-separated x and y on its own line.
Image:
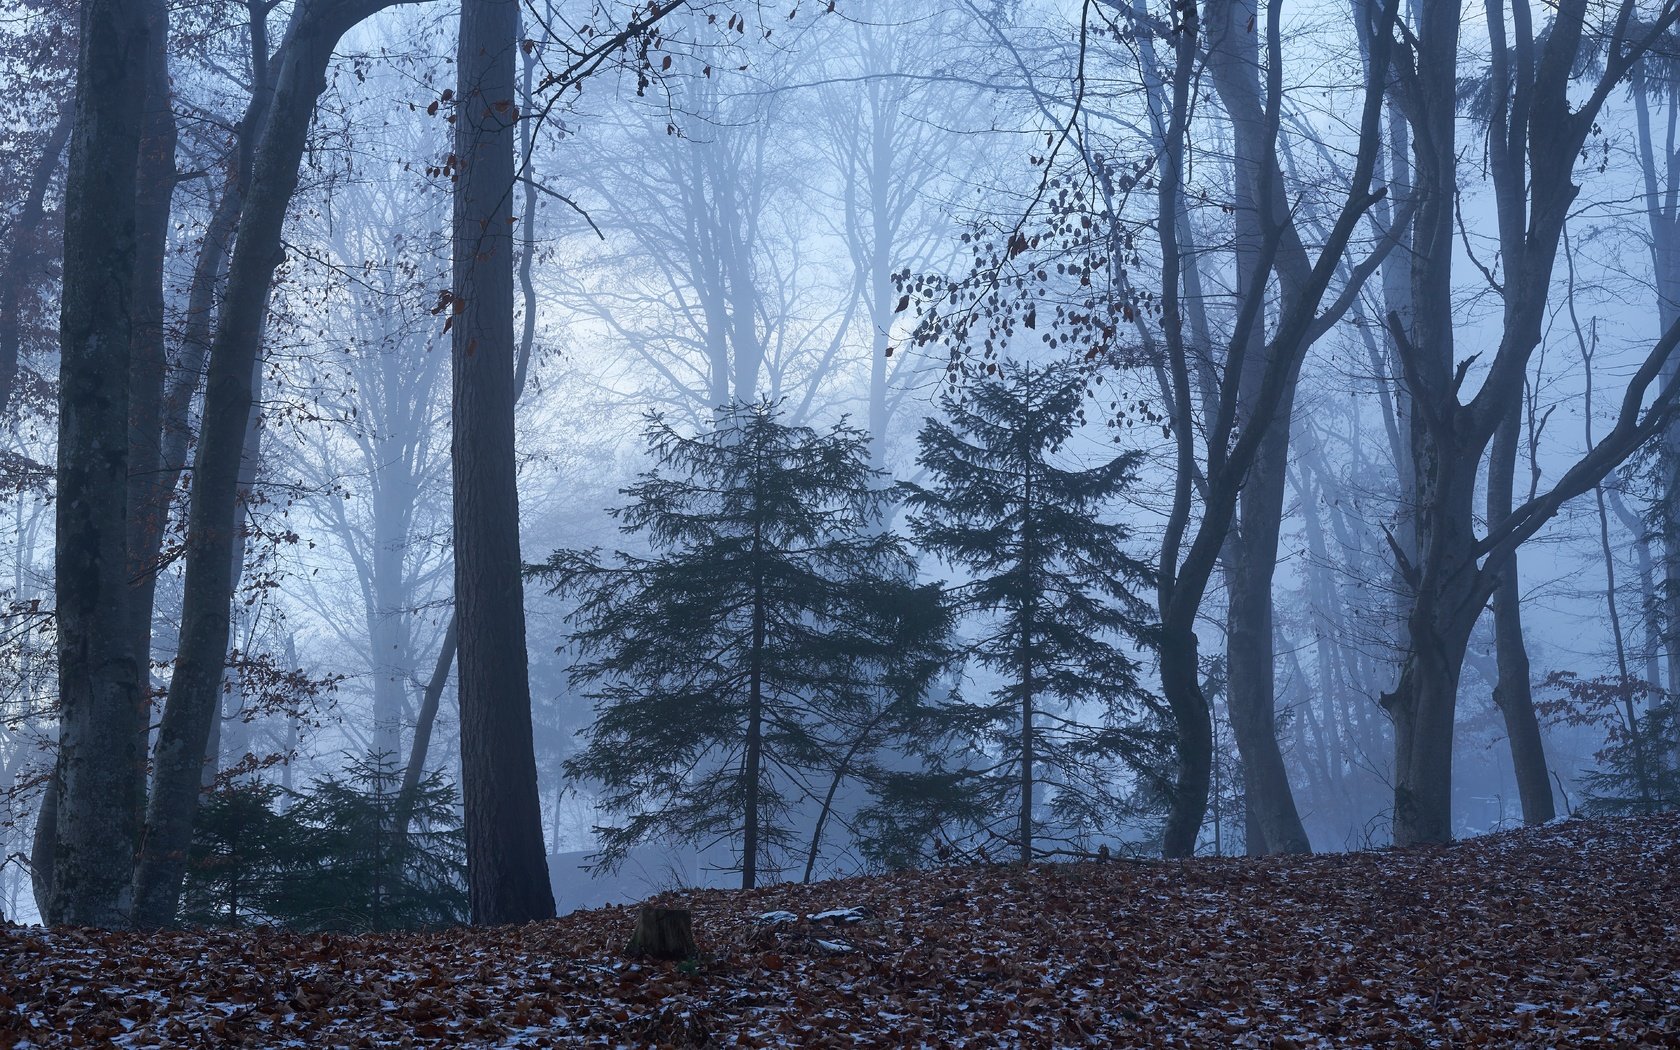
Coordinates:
1567	935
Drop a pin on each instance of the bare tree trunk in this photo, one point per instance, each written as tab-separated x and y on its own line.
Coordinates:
148	500
97	826
416	766
1514	695
507	871
21	265
427	715
213	524
1662	212
1233	60
1535	131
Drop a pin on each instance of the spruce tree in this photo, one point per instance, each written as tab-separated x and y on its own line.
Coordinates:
336	858
356	869
741	665
240	848
1051	590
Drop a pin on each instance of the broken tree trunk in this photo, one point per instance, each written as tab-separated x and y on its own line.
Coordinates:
663	933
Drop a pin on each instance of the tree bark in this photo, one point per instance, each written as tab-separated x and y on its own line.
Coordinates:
212	523
148	499
22	260
1514	695
99	737
507	871
1538	123
663	933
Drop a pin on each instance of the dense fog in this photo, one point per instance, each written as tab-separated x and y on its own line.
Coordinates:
943	431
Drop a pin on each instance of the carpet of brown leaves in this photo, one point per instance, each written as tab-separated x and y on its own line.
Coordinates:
1566	936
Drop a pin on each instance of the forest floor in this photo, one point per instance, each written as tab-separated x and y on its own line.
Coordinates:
1562	936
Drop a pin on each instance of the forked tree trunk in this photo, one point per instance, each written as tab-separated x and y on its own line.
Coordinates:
213	510
97	824
507	872
148	499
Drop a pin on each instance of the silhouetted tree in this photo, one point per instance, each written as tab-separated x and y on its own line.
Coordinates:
1055	589
767	636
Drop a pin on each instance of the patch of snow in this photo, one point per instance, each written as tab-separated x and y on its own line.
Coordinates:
840	915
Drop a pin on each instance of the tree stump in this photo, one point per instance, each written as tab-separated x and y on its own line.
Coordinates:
663	933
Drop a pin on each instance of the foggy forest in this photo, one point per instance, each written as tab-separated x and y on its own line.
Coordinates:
839	522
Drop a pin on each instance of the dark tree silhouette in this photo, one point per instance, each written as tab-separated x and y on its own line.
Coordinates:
1057	589
99	737
507	872
770	635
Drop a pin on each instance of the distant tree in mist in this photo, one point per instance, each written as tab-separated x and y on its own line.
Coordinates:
1054	598
769	629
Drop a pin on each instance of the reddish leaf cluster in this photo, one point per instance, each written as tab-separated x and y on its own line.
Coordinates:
1567	935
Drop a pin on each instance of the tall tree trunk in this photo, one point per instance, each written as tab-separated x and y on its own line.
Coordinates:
1514	695
213	524
148	500
1261	215
1662	214
97	825
507	873
1536	128
427	715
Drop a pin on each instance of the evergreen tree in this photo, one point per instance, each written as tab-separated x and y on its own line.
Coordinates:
356	869
240	848
1051	584
771	635
335	859
1637	772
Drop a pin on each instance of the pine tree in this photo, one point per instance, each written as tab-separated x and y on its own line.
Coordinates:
1052	588
336	858
240	847
767	637
355	869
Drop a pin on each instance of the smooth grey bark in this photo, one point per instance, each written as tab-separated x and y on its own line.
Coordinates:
23	259
97	826
1540	118
1262	214
507	872
213	524
161	433
1189	558
1514	693
148	500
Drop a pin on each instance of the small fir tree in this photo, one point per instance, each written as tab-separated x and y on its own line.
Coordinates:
241	846
355	869
1637	770
334	859
1052	590
770	636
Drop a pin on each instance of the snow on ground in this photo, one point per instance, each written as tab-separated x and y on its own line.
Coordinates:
1564	935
